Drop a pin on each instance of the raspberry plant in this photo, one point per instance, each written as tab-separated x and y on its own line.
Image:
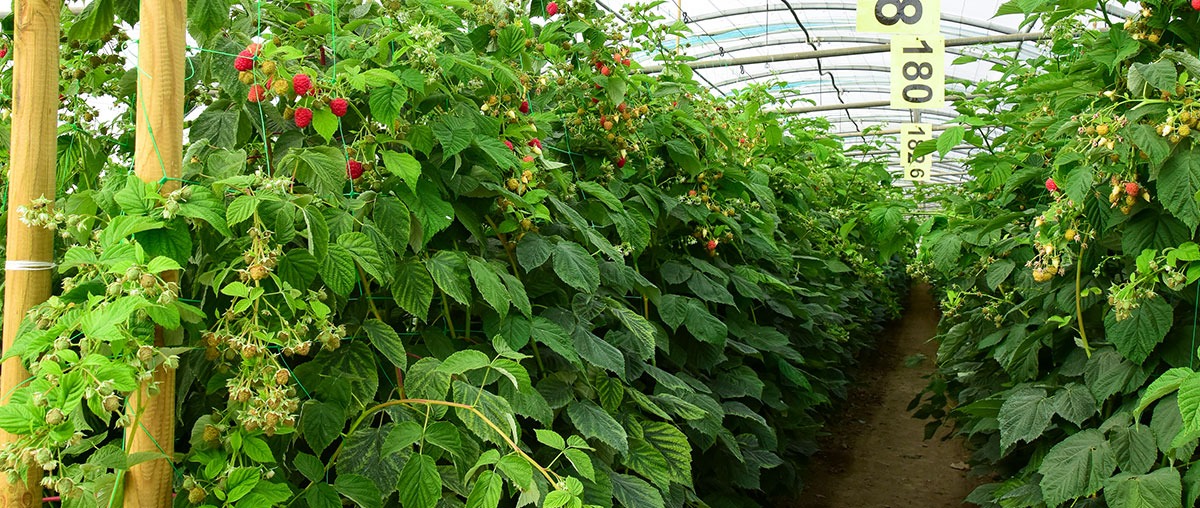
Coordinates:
482	257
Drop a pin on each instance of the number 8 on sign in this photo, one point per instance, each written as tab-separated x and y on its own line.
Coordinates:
916	17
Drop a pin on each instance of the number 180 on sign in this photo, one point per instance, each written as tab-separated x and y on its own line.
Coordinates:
917	169
918	72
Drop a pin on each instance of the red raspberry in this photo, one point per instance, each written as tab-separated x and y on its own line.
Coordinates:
244	61
254	48
1051	186
551	9
1132	188
692	193
621	107
712	245
303	117
339	107
256	94
302	84
620	163
1196	5
524	107
536	143
625	62
605	70
509	144
3	52
354	169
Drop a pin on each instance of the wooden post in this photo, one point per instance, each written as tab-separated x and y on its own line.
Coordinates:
31	176
158	157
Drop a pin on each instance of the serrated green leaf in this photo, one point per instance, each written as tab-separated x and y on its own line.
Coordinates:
594	423
1076	467
387	341
576	266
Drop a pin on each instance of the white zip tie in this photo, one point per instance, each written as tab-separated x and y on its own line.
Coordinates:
28	266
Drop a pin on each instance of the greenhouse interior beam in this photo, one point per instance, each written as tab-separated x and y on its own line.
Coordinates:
851	51
799	110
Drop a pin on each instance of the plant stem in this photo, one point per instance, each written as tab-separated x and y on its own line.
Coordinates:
366	284
446	314
1079	303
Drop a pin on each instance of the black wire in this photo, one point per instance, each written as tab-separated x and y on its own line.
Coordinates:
820	69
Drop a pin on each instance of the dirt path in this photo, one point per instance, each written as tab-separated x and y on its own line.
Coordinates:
876	456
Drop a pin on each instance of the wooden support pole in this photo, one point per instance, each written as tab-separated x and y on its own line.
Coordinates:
31	176
158	157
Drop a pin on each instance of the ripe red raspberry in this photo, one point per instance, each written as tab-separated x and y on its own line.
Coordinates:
1132	188
536	143
605	70
304	117
244	61
551	9
3	52
620	162
302	84
256	94
1196	5
1051	186
354	169
509	144
524	107
712	245
339	106
254	48
625	62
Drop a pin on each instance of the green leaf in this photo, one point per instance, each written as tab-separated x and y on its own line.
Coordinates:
1168	382
489	285
241	481
551	334
386	102
550	438
949	140
1134	447
1160	74
1160	489
325	123
320	424
1137	336
322	168
337	270
240	209
1075	403
1076	467
426	380
322	495
453	134
206	17
257	450
582	463
674	446
413	288
404	166
363	453
576	266
633	492
366	254
1178	183
1025	414
310	466
647	461
604	195
533	251
464	361
486	492
94	21
497	151
683	152
998	272
359	489
387	341
394	220
1079	182
594	423
640	327
449	270
1155	146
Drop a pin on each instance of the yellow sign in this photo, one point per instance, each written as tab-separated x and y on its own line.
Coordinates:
917	169
899	16
918	72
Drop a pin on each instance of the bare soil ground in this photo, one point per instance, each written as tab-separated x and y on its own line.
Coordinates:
877	455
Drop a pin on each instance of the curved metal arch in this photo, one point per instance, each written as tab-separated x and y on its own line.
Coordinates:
851	6
841	40
842	68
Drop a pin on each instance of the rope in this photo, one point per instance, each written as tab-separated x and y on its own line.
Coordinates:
28	266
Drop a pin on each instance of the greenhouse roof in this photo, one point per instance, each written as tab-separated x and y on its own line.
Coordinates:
798	46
